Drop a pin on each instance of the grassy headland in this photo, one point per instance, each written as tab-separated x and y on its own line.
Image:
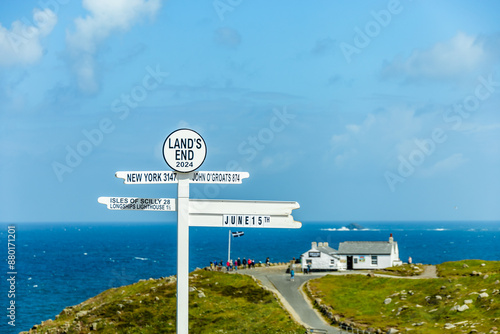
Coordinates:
464	299
402	270
219	303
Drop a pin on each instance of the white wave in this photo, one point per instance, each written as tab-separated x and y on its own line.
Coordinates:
346	229
336	229
141	258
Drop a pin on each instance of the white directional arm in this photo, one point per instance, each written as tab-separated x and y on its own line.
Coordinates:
228	213
163	177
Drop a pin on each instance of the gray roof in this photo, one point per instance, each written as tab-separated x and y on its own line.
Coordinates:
327	250
365	247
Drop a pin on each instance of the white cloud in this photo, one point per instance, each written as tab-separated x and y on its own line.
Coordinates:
462	55
183	124
476	128
353	128
444	166
21	45
105	18
379	136
341	159
339	140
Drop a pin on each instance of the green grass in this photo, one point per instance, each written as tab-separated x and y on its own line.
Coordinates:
360	299
402	270
231	304
466	267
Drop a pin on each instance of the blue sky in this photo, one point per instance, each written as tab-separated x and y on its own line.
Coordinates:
359	111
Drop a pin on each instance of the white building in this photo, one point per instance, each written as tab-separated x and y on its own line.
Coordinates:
321	257
352	255
369	254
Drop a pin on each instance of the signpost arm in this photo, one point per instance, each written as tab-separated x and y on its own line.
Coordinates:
183	254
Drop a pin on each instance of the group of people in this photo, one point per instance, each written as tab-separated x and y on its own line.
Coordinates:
250	263
233	265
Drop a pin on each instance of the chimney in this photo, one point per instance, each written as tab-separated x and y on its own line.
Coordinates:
391	239
314	245
320	244
325	244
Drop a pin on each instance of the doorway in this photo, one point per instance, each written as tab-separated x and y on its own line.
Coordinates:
349	263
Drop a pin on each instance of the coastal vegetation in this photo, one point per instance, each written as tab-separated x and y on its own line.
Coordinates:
464	299
219	303
402	270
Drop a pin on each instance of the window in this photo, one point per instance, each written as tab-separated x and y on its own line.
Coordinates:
374	260
356	260
332	261
309	261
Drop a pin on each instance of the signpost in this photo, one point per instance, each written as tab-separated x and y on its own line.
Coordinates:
134	203
184	151
162	177
225	213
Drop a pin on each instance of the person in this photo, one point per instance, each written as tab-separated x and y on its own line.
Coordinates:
244	263
409	260
292	274
228	266
308	268
267	262
235	265
249	263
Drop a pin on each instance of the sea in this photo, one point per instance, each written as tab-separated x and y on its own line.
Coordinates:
59	265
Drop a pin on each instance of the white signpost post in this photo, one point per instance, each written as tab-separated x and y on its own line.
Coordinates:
184	151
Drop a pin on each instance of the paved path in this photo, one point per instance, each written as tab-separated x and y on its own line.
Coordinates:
299	306
295	302
429	272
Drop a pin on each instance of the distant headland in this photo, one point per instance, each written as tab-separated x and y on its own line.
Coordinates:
354	226
350	227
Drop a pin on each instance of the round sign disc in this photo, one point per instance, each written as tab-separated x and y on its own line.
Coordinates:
184	150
